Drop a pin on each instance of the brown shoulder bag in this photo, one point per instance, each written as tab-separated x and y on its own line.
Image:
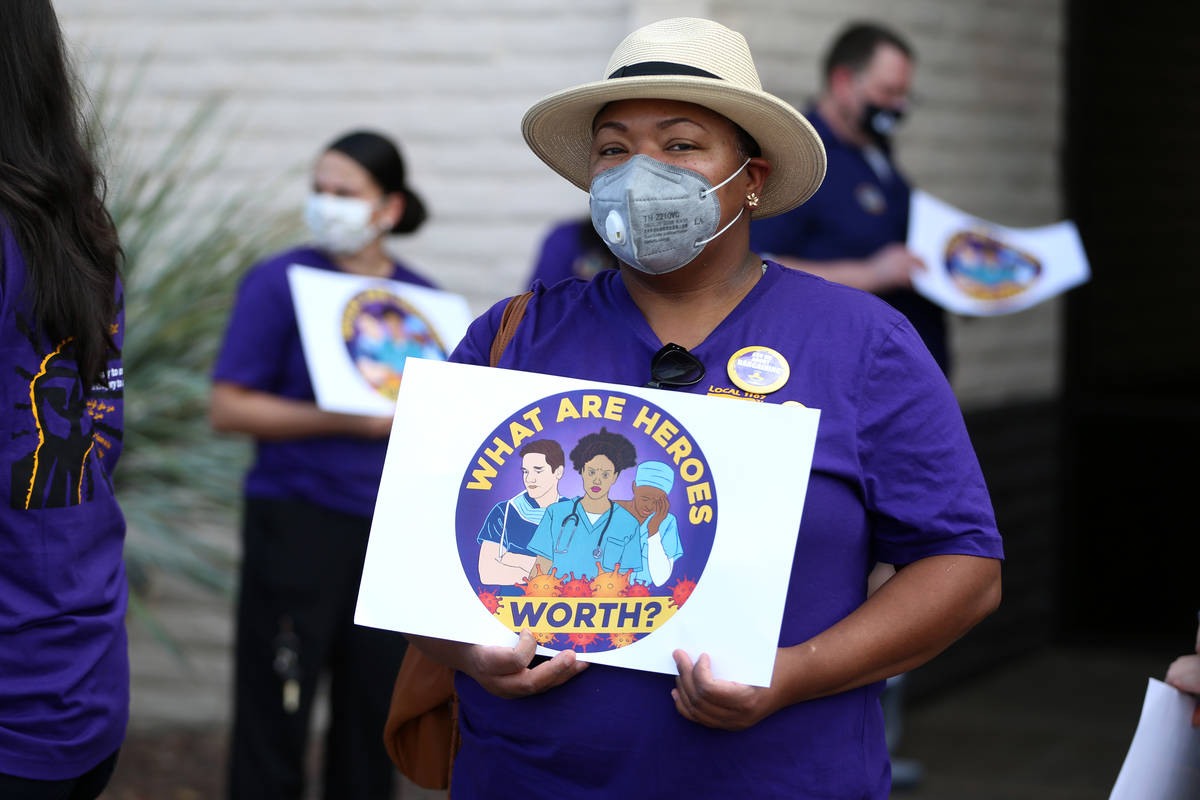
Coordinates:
421	733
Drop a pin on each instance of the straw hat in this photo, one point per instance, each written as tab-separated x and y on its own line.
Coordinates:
694	61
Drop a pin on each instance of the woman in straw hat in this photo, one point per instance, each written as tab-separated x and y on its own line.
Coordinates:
680	129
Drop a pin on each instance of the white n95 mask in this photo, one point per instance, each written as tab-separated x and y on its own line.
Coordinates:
656	217
339	225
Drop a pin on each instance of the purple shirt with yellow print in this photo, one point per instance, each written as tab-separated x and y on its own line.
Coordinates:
64	666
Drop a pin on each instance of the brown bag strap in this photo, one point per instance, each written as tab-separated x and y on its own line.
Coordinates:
421	733
513	313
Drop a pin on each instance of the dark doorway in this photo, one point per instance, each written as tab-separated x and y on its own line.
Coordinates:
1131	405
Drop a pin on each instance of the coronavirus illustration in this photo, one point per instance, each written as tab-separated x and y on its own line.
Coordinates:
681	591
620	639
490	600
612	583
576	587
540	584
581	641
636	589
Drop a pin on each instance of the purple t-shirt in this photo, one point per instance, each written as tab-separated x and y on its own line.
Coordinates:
894	479
571	250
855	213
262	351
64	662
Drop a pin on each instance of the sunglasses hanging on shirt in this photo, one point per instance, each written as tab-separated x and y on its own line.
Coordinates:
674	367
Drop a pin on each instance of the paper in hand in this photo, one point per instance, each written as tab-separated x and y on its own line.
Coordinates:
1163	762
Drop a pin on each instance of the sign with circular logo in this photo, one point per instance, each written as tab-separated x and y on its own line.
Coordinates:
380	332
986	268
586	517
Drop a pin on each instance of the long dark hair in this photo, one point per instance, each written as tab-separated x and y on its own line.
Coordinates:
51	192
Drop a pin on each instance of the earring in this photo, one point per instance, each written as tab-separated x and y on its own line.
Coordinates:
752	200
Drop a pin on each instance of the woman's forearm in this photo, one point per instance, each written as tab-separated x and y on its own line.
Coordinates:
910	619
237	409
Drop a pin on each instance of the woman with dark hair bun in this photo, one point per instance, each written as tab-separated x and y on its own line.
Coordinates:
64	663
379	156
587	534
309	498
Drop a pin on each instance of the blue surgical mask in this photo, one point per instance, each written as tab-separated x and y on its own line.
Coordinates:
656	217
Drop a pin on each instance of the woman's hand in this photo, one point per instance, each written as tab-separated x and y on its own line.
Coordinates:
504	671
702	698
1184	675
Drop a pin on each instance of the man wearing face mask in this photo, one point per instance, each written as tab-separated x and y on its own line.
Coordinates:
853	229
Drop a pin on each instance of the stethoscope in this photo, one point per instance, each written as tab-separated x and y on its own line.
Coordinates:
574	515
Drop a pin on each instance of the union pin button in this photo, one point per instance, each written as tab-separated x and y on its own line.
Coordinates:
758	369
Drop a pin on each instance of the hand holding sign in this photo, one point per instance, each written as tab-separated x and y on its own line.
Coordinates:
505	671
702	698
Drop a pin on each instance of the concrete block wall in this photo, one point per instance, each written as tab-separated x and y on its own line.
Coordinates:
984	134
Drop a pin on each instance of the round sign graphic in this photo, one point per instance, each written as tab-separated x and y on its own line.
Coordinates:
586	517
381	331
986	268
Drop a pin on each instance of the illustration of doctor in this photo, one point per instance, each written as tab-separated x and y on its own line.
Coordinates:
657	529
368	348
578	537
504	555
399	345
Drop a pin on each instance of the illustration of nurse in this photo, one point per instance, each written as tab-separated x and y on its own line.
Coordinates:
657	529
504	555
368	348
399	345
577	534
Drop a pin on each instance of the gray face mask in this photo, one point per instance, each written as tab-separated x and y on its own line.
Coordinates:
656	217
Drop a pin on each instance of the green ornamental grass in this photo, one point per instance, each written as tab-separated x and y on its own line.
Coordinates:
178	482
